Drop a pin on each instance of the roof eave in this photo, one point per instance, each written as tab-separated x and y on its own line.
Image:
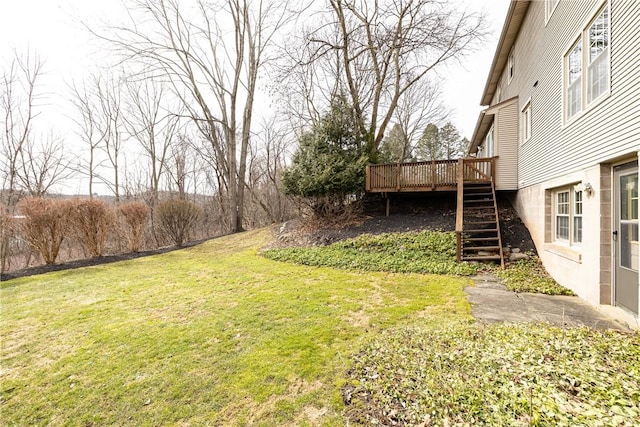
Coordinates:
510	29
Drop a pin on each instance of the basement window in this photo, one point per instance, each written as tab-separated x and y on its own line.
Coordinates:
568	216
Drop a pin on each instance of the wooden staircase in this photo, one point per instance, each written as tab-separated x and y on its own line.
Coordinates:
477	221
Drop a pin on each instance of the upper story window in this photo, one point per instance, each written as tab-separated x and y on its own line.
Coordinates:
526	122
598	61
574	80
590	53
549	7
511	67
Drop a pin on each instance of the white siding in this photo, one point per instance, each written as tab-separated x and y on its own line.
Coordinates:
610	129
507	147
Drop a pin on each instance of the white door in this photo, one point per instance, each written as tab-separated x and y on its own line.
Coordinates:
625	234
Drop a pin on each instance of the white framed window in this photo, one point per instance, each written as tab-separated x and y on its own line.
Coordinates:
573	94
587	65
577	216
511	66
526	121
598	40
549	7
488	143
568	216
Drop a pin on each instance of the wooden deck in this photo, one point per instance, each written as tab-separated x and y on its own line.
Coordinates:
477	222
436	175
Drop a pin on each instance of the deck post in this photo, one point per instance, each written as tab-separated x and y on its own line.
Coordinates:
367	181
433	175
459	209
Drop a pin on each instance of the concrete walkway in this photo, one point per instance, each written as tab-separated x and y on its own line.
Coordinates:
492	302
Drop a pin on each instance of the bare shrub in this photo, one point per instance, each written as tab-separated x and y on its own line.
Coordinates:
134	215
92	220
45	225
178	219
6	235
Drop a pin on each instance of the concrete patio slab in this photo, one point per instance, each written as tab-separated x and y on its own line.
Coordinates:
492	302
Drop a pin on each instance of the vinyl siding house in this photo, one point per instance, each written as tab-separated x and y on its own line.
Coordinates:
563	120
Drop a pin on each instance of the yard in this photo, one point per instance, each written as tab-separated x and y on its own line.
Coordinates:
219	335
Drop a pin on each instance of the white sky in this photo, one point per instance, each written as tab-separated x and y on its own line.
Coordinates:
52	28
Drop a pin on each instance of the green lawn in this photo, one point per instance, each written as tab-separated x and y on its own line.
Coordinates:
214	334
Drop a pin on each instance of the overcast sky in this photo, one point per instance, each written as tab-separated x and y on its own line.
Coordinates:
52	29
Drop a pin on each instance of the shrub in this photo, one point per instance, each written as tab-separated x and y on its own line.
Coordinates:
6	229
46	225
92	219
135	215
178	219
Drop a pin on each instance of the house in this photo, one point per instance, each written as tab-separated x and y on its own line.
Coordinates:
563	121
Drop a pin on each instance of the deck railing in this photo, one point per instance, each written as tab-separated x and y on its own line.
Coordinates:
427	176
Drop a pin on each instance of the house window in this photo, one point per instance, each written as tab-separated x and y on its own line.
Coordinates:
562	215
550	6
526	122
511	66
577	217
488	143
598	57
568	216
591	53
574	79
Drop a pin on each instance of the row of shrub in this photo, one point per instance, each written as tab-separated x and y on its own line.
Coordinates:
45	223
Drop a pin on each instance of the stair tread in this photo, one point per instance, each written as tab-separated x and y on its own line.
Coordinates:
481	248
481	258
480	239
479	222
480	230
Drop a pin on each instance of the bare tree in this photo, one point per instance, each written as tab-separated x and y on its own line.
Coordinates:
43	165
109	97
90	122
213	61
267	161
419	105
18	99
181	165
152	126
376	51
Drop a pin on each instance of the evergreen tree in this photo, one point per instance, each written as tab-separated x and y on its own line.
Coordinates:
329	167
429	146
442	143
450	142
395	146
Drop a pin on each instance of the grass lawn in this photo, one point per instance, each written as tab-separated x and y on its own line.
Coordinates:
214	334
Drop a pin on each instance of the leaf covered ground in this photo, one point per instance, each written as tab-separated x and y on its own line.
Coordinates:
497	375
